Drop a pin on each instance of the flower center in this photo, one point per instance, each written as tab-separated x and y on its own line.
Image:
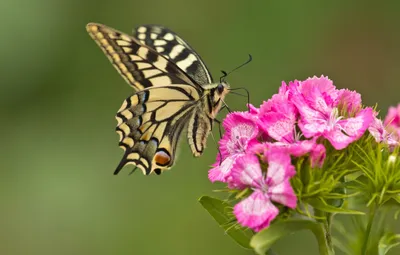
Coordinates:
333	119
239	138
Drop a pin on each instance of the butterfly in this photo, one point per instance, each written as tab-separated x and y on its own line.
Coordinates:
174	91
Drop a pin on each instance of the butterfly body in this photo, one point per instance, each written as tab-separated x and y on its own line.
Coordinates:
174	91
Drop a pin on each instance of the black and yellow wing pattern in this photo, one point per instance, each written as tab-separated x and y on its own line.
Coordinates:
174	48
174	91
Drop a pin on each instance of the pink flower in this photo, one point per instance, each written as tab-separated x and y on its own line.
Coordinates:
241	133
278	117
392	122
393	117
325	111
257	210
381	134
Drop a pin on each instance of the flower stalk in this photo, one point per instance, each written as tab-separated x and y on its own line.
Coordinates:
371	217
325	219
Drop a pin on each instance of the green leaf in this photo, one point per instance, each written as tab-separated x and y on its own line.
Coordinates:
322	206
338	203
262	241
222	213
387	242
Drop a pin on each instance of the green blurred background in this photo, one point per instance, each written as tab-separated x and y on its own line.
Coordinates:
60	94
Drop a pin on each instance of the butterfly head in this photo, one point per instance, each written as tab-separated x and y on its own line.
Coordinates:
222	89
216	97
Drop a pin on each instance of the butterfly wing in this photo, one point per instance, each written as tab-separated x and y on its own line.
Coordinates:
140	65
174	48
150	123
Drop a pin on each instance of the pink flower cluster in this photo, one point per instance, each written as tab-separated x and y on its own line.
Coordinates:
258	146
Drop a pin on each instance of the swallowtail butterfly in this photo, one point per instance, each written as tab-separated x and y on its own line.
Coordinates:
173	90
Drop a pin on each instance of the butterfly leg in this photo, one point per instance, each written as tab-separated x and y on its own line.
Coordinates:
219	151
219	127
226	107
220	136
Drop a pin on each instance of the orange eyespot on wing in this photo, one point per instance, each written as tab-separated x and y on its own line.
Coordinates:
162	157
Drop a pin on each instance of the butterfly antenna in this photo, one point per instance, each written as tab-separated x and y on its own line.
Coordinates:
247	93
235	93
225	74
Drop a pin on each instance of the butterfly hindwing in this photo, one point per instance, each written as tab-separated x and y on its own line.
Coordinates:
171	46
198	130
150	123
140	65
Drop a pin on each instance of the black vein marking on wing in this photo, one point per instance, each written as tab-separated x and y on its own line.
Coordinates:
200	126
173	47
144	133
140	65
194	132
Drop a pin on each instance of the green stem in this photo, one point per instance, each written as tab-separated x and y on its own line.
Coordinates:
326	222
369	227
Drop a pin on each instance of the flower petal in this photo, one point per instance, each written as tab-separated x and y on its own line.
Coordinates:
317	156
253	110
393	117
349	130
376	129
338	139
280	167
319	93
277	126
300	148
356	127
256	210
387	135
246	172
283	193
222	170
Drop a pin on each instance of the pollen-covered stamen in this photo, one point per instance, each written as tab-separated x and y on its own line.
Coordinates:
297	135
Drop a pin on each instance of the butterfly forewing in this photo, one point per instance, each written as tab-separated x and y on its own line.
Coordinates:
170	45
139	65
